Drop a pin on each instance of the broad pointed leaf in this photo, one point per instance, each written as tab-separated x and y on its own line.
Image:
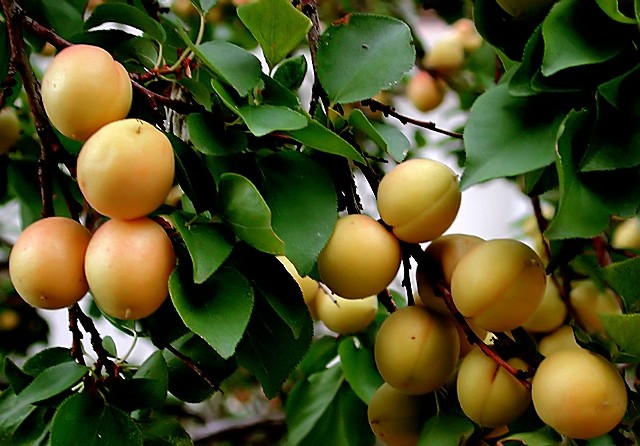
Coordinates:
318	137
264	119
126	15
359	368
236	66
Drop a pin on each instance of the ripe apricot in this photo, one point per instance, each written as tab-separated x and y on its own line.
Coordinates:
627	234
419	199
46	264
128	263
9	129
579	393
588	300
425	91
469	36
360	259
498	284
416	350
345	316
550	314
126	169
488	394
83	89
561	339
446	55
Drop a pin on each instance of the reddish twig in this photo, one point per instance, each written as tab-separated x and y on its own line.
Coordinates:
384	297
76	345
103	360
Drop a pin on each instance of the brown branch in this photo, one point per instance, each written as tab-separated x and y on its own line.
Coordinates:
387	110
601	245
76	345
384	297
193	366
7	85
310	9
103	360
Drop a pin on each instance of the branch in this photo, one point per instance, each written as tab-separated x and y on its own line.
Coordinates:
111	368
310	9
387	110
76	345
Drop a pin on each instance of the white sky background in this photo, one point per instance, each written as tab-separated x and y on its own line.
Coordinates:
490	210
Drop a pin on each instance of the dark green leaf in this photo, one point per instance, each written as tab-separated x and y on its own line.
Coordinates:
146	389
318	137
208	244
16	378
110	346
610	7
269	350
53	381
321	352
291	72
359	368
362	54
211	137
234	65
217	310
46	358
275	93
34	430
164	432
446	430
126	15
277	26
86	416
264	119
244	209
622	277
523	141
295	185
13	412
63	18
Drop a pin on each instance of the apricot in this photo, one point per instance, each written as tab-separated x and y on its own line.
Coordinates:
308	286
579	393
627	234
395	417
9	129
488	394
439	260
126	169
128	263
416	351
498	284
561	339
588	301
83	89
345	316
46	264
446	55
425	91
468	34
360	259
550	314
419	199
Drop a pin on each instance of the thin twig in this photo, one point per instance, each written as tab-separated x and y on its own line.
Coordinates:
310	9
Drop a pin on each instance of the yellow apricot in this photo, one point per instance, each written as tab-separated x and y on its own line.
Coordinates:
128	263
579	393
488	394
308	286
588	301
561	339
419	199
627	234
9	129
83	89
446	55
46	264
469	36
425	91
498	284
126	169
345	316
550	314
360	259
416	351
395	417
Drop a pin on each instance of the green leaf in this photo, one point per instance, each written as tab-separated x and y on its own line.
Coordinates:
569	38
146	389
88	417
622	277
126	15
362	54
581	213
235	66
293	185
624	330
277	26
523	141
610	7
63	18
13	412
264	119
542	437
291	72
321	352
309	400
387	137
244	209
52	382
446	430
211	137
164	431
269	350
208	244
359	368
318	137
217	310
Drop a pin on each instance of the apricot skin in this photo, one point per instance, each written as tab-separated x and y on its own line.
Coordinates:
395	417
419	199
588	301
498	284
579	393
75	94
416	351
360	259
128	263
550	314
9	129
46	263
345	316
126	169
425	91
488	394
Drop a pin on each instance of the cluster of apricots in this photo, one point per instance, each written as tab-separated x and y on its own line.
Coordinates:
125	170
